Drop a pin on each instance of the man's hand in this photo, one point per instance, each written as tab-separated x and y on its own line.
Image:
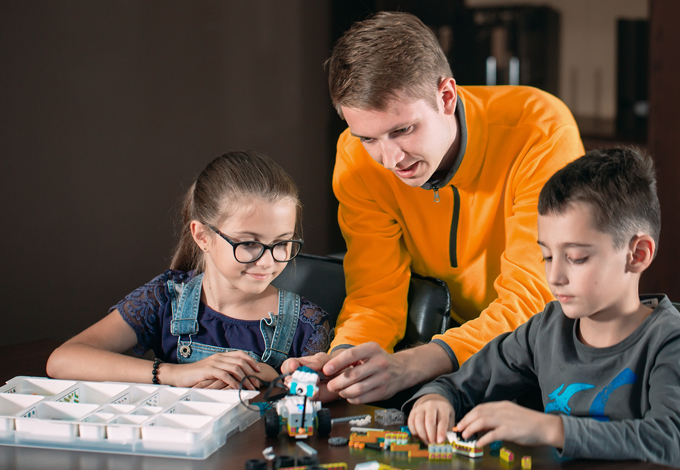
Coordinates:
366	373
432	415
507	421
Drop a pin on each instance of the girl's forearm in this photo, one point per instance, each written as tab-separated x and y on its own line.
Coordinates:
78	361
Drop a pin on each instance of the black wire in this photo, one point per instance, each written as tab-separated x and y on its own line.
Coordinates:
304	408
276	383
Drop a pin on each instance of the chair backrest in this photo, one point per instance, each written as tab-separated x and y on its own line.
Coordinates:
429	310
321	280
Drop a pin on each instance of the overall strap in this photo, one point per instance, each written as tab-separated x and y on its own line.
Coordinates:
278	342
185	300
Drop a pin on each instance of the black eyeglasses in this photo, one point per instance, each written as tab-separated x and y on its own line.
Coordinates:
251	251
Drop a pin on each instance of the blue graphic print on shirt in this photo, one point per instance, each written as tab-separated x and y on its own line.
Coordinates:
626	376
561	401
596	411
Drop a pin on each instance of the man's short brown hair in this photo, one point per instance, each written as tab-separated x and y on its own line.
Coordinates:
389	55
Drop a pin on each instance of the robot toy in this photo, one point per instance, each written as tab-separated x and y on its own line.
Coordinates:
297	411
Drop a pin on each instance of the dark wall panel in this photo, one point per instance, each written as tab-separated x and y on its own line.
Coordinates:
664	142
109	110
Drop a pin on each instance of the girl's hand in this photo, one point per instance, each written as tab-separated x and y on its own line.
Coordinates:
267	374
507	421
315	362
221	370
432	415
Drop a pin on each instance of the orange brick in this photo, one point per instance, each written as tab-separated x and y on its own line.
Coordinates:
419	453
404	447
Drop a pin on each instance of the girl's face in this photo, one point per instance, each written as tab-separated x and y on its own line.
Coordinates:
262	221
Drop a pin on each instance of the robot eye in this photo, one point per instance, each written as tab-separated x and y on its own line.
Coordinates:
300	390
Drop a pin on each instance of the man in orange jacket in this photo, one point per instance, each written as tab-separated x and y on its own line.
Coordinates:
440	180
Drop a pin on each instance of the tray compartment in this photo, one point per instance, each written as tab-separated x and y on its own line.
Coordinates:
117	409
178	428
94	426
12	404
125	428
133	395
36	386
165	396
53	419
216	396
223	412
146	410
92	392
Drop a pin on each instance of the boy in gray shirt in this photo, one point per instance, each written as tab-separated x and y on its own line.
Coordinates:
607	361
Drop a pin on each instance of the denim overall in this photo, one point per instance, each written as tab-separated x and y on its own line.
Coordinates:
277	330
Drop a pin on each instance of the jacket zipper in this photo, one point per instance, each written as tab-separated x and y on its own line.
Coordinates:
454	228
453	255
436	193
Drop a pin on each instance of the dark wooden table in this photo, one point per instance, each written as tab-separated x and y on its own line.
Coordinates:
30	359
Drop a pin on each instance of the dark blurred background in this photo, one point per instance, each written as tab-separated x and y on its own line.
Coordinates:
109	110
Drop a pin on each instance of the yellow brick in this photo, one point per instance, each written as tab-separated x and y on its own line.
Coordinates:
507	455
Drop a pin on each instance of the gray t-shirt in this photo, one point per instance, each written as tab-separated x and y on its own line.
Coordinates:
621	402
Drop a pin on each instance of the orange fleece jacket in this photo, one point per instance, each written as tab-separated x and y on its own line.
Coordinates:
480	238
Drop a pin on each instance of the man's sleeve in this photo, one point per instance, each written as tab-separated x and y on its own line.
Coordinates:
521	286
654	438
377	265
502	370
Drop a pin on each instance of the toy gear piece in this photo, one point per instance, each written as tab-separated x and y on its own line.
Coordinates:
272	425
324	425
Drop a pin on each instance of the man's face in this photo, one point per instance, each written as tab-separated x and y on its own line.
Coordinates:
411	138
586	274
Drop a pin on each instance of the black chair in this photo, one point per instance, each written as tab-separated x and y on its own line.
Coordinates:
321	280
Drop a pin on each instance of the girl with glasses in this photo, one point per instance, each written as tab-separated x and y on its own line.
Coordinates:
213	317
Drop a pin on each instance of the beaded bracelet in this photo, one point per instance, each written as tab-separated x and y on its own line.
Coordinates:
156	363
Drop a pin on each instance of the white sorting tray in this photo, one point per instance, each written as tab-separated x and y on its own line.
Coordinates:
124	418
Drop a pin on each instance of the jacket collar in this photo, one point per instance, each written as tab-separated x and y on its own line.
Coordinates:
473	131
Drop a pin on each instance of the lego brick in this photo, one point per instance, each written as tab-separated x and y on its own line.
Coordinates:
507	455
403	447
424	453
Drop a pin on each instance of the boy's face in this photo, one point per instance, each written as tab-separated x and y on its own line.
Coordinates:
411	139
584	271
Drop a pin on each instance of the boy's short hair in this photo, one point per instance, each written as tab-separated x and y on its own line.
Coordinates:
380	58
618	183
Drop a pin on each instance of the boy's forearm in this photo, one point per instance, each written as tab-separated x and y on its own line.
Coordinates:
553	430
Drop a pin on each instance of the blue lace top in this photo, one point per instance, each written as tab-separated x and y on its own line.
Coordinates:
149	312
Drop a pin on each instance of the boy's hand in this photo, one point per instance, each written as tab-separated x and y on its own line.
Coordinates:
507	421
432	415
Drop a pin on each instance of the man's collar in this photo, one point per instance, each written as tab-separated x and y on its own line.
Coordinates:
462	132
